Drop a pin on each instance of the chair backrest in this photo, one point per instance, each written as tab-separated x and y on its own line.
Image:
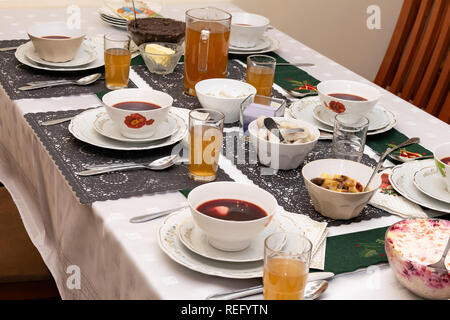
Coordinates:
416	65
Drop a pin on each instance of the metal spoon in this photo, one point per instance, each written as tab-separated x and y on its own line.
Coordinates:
158	164
272	126
384	155
441	263
80	82
297	94
313	290
152	216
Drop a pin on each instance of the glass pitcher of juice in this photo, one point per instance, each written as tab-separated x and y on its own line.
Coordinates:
206	52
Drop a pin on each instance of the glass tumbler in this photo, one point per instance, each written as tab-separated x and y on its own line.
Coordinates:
205	138
349	136
287	256
117	60
261	72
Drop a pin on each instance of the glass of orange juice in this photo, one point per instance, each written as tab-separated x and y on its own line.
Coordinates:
260	73
117	60
205	139
286	264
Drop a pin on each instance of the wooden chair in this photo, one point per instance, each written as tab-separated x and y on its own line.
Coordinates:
23	274
417	64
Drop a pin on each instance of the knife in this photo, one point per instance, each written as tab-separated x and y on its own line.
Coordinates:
235	294
8	49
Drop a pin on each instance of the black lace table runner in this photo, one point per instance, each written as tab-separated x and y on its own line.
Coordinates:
14	75
288	186
71	155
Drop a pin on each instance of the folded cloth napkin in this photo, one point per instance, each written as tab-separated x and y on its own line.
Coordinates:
316	232
388	199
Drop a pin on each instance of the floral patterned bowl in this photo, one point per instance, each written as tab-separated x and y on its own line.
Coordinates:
441	152
337	105
137	124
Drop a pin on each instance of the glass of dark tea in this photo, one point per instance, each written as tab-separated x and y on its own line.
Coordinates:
117	60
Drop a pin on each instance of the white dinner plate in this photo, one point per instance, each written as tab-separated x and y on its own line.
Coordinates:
82	128
274	45
196	240
114	22
98	62
402	180
378	117
261	44
429	182
170	243
84	55
106	127
303	109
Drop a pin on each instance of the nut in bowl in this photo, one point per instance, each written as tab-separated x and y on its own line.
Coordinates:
300	137
412	247
442	160
54	41
224	95
336	200
161	57
347	96
137	112
231	214
247	29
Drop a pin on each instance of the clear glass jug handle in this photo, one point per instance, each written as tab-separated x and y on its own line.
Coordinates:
203	51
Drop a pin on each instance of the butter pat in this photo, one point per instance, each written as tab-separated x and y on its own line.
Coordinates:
160	55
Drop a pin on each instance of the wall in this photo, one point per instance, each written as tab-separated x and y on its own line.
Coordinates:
335	28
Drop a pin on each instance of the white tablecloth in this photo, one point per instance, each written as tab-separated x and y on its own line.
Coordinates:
119	260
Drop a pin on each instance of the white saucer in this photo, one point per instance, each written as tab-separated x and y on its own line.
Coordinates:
84	56
303	109
195	240
20	55
378	117
402	180
106	127
428	181
261	44
82	128
274	45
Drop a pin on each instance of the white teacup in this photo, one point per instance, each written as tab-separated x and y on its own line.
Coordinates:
337	105
247	29
441	152
137	124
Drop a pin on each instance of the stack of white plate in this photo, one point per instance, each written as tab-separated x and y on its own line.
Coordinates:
180	238
265	44
419	182
311	110
89	56
96	128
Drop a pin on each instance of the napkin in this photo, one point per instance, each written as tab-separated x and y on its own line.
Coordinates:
388	199
316	232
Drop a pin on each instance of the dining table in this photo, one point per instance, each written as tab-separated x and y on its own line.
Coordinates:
78	234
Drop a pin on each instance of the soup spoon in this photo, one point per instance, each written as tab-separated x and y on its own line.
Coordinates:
80	82
158	164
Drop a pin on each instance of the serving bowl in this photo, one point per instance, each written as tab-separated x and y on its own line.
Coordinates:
282	156
339	205
230	235
440	152
411	246
337	105
247	29
224	95
161	62
137	124
55	50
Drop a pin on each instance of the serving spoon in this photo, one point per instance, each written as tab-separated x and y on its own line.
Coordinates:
158	164
84	81
441	263
385	154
